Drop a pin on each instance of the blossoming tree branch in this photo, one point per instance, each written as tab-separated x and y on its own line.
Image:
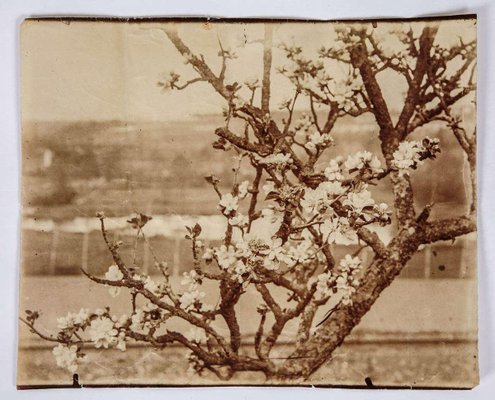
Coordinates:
313	208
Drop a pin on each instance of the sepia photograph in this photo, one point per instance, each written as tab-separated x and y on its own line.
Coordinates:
248	202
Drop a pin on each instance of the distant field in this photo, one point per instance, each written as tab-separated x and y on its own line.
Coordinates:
446	364
118	202
77	168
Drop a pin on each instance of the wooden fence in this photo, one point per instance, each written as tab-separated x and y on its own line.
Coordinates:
63	253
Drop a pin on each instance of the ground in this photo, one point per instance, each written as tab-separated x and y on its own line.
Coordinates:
415	364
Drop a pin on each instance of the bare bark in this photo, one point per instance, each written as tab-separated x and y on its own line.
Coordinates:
267	66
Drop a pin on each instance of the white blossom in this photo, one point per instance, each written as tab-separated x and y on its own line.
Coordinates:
275	159
345	290
362	160
188	299
324	283
301	253
252	82
337	230
137	321
240	268
226	256
121	342
66	357
190	279
208	254
102	332
228	203
151	285
114	274
270	215
196	335
274	254
318	200
73	319
407	155
316	139
268	187
239	220
285	103
314	201
359	200
242	249
334	171
331	189
243	189
349	263
304	123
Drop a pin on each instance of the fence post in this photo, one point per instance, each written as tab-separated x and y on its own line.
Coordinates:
175	268
53	252
464	259
146	256
85	247
427	261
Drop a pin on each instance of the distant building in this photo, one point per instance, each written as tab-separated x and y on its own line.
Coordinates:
47	158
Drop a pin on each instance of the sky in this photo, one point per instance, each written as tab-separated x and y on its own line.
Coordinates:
104	71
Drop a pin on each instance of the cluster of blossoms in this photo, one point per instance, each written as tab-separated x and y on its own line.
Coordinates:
396	52
311	77
192	298
345	92
355	198
72	319
279	160
196	335
158	289
303	124
146	317
338	230
363	161
305	73
228	204
114	274
171	82
241	258
362	205
347	34
359	204
66	357
410	154
343	281
243	189
333	172
317	201
302	253
252	83
103	330
317	140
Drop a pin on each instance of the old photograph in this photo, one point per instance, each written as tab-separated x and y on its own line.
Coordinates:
248	202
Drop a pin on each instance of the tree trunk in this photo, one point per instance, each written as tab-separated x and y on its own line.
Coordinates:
312	354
